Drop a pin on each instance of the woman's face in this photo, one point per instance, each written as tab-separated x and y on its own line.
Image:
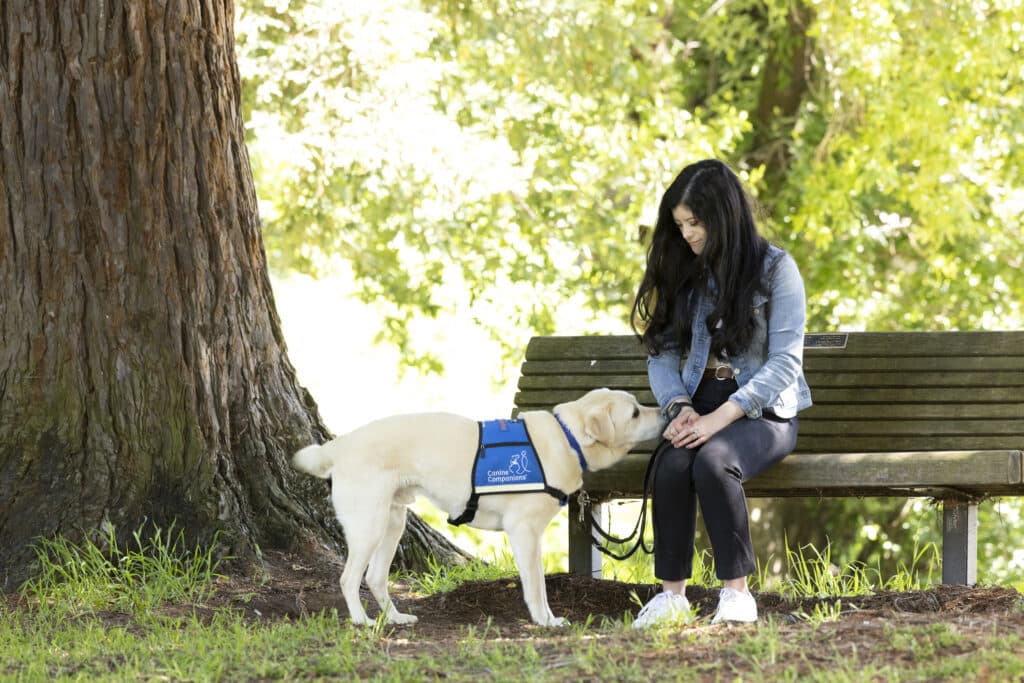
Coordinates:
693	230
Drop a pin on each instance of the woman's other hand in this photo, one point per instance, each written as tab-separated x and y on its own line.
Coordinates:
692	430
680	425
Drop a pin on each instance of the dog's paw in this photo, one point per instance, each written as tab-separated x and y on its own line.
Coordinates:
556	621
400	618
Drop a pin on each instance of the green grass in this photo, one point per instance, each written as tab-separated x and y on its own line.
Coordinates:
150	572
322	648
439	578
811	573
99	612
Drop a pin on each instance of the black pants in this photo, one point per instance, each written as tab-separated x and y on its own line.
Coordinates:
713	474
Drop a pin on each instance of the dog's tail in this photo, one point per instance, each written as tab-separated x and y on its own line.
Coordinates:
315	460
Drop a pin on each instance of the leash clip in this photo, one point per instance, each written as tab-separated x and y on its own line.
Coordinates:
583	500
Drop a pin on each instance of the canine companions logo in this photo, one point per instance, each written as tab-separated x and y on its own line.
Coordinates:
519	464
516	469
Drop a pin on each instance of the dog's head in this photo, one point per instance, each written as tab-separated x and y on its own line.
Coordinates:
608	424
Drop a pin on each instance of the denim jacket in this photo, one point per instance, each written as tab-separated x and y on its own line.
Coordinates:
770	372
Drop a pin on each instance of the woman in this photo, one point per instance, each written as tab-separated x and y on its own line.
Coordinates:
721	313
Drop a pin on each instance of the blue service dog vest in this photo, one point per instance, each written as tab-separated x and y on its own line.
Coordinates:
506	462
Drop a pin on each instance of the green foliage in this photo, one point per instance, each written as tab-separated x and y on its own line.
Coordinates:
903	204
999	562
444	578
461	157
811	572
99	575
823	612
477	165
897	537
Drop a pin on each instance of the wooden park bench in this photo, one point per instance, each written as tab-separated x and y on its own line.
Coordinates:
936	414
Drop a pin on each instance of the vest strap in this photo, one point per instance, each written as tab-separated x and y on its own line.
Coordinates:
469	513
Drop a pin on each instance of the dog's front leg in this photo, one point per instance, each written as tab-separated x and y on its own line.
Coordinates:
525	538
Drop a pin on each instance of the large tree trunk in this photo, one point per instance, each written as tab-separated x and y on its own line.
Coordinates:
143	373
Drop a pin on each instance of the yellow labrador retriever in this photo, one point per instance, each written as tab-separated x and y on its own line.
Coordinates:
381	467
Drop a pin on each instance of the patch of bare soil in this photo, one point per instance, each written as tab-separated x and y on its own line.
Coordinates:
291	589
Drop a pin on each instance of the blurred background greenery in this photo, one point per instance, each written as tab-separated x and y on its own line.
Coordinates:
440	180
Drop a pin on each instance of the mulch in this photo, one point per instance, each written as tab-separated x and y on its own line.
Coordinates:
290	588
293	588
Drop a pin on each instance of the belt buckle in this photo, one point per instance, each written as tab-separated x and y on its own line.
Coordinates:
728	371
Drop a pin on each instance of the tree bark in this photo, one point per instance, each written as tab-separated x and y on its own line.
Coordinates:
784	85
144	377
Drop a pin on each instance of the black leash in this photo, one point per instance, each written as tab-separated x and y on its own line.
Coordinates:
641	522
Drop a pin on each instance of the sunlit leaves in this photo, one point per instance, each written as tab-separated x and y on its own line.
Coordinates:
497	159
901	162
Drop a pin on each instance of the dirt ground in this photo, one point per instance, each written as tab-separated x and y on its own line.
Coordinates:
868	631
291	589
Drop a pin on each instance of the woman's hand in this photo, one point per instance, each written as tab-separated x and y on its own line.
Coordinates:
679	426
691	430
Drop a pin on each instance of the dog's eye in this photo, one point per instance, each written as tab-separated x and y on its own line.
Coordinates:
636	412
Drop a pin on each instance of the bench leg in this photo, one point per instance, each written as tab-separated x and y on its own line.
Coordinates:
584	558
959	542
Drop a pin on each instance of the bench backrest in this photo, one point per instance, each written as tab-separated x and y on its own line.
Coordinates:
872	391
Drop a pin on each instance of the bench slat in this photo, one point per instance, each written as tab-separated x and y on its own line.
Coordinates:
812	364
921	344
839	443
882	344
840	474
820	363
910	380
914	411
925	395
575	347
544	398
868	411
811	443
583	383
853	427
821	381
605	366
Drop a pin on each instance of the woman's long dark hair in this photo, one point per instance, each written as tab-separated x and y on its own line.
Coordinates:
733	255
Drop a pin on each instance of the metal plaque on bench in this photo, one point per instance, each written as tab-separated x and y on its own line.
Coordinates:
825	341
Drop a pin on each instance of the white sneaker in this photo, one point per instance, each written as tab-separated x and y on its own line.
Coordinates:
734	605
664	608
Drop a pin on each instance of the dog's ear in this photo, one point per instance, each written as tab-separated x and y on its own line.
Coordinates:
598	426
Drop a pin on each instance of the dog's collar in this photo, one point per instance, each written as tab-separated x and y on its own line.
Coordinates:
573	442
